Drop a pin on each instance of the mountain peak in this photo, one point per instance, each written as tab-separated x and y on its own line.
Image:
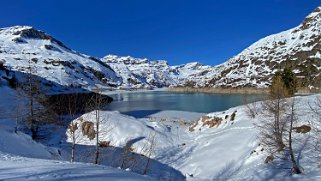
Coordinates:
21	33
315	13
14	30
312	20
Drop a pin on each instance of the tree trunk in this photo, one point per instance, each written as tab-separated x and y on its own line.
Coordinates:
32	121
295	167
73	148
97	128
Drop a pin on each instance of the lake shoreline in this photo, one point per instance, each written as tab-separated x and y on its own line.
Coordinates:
243	90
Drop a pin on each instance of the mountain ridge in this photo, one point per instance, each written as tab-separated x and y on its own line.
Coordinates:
298	48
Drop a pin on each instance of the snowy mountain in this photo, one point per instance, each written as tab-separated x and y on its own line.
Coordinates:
22	47
142	73
298	48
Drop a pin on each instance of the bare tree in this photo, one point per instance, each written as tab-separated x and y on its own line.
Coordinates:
31	93
72	129
20	110
279	117
315	107
39	110
252	108
97	102
291	118
90	127
149	150
273	126
73	109
128	159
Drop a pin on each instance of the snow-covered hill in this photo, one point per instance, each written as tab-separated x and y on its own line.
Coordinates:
22	158
298	48
142	73
213	147
22	47
216	147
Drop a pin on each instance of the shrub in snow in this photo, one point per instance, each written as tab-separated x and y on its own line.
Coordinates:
211	121
88	129
233	116
302	129
104	144
269	159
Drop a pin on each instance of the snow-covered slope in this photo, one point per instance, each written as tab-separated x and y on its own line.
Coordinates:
142	73
22	168
225	149
298	48
214	147
22	47
49	59
22	158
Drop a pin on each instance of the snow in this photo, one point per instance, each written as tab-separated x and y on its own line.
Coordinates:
222	153
21	158
229	151
64	67
252	67
51	60
185	147
22	168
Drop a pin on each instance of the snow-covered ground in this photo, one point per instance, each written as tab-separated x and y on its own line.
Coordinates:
184	148
16	162
21	158
15	167
229	151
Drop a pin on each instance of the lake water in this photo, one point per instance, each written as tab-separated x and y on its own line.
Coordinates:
141	104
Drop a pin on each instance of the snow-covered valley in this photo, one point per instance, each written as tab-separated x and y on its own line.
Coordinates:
185	146
166	144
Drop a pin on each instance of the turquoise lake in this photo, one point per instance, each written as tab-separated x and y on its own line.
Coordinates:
140	104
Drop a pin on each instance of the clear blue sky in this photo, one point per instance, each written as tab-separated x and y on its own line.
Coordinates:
180	31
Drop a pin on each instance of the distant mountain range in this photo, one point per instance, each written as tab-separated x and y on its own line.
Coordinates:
299	48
